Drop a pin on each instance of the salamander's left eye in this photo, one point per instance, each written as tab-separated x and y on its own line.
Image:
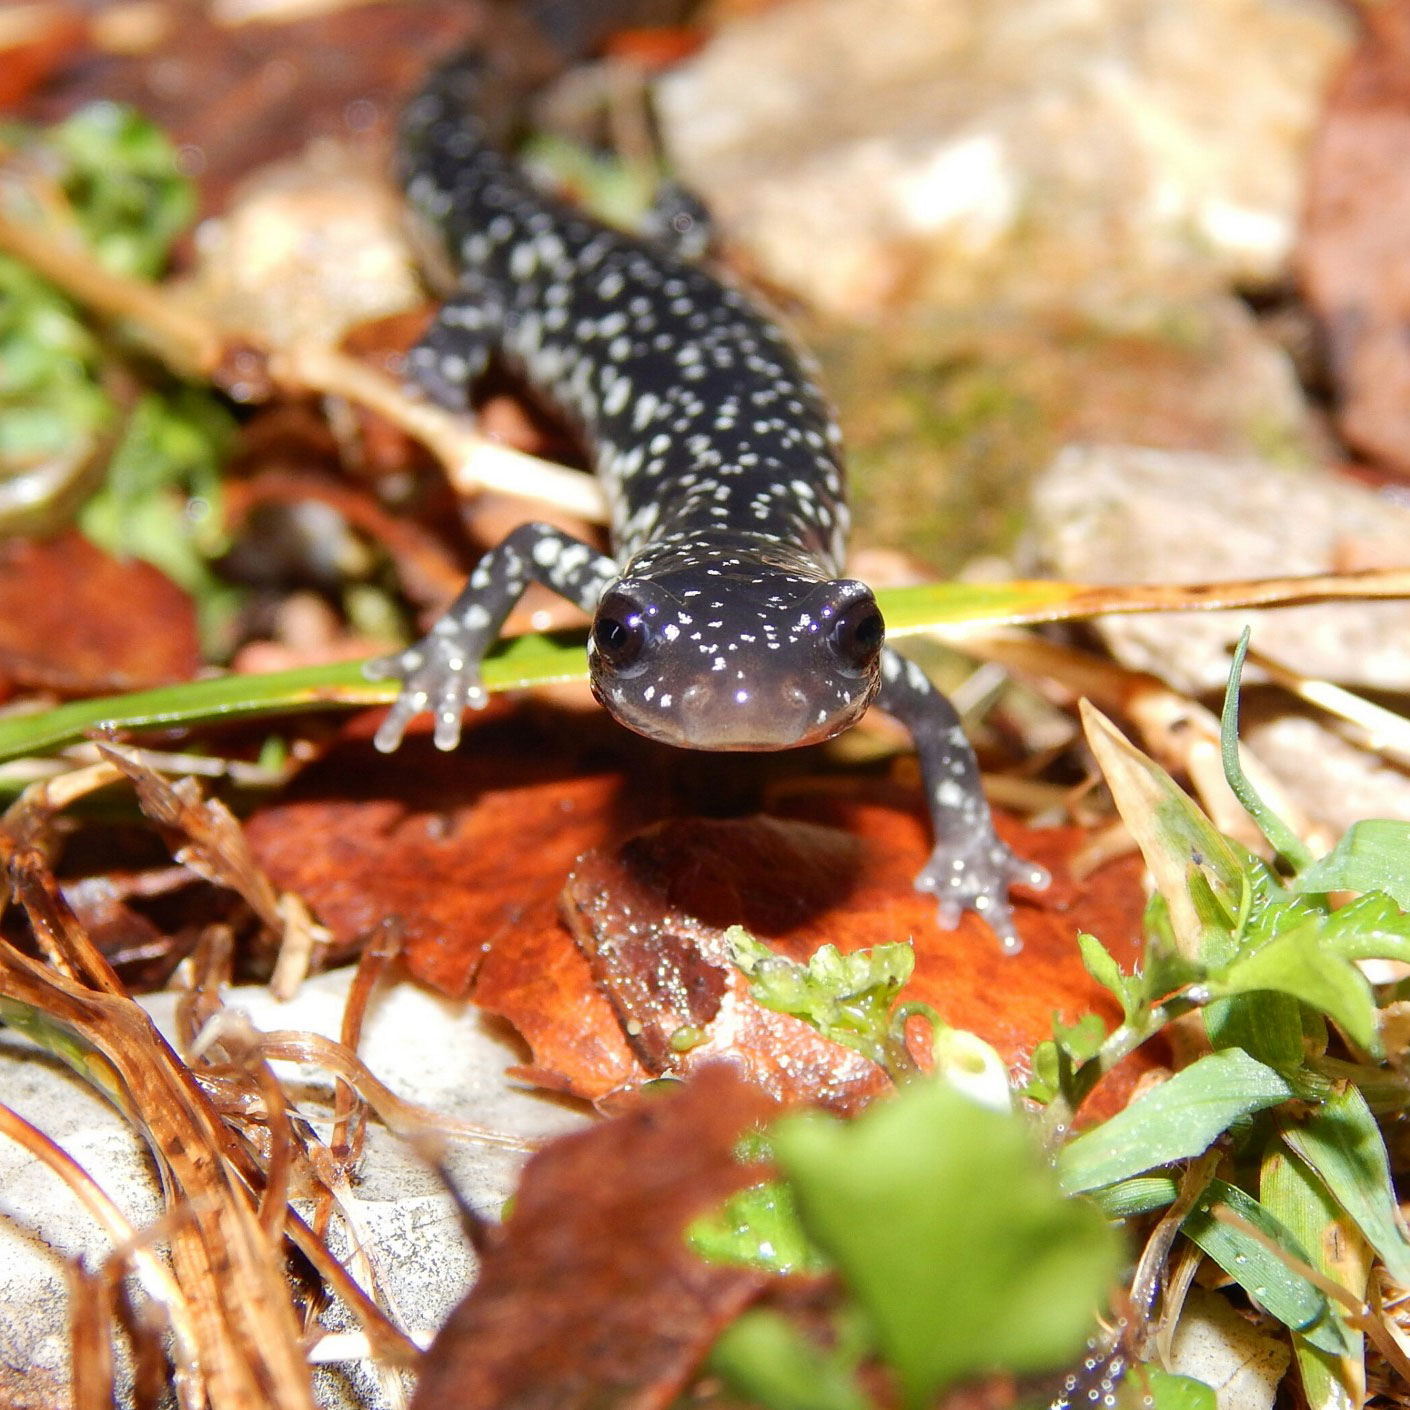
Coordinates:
619	631
857	634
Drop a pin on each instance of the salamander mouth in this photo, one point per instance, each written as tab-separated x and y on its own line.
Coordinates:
717	719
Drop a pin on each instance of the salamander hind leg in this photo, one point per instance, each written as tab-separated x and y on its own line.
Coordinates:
970	868
441	672
455	350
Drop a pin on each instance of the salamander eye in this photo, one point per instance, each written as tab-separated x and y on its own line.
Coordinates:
857	634
619	631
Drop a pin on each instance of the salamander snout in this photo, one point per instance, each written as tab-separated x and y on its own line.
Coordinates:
719	669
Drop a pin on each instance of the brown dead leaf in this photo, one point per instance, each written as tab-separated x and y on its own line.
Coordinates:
239	95
462	847
649	917
589	1296
211	842
36	41
1352	259
75	621
471	851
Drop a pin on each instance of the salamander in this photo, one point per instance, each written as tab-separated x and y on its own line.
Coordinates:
721	619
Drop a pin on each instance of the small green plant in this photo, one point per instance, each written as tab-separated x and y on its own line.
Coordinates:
959	1251
848	998
143	465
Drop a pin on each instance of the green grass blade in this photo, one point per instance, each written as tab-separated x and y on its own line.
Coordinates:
1266	1278
1341	1142
1296	1196
1283	839
524	661
1179	1119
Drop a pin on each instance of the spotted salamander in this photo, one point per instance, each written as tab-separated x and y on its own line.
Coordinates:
720	617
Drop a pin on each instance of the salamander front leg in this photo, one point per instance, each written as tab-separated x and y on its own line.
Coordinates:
441	672
970	868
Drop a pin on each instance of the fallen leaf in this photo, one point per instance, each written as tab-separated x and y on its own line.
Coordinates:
78	622
589	1296
649	918
463	847
472	850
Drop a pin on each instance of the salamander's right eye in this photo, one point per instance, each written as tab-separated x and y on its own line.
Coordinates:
619	631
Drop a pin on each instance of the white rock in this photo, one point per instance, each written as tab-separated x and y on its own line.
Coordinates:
869	150
1126	514
1240	1362
440	1053
1121	514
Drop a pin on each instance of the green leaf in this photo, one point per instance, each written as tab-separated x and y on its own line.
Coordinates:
758	1228
1266	1278
1150	1388
1298	965
1294	1194
1372	856
1341	1142
1196	869
121	177
54	414
1140	1195
1083	1039
1370	927
1179	1119
767	1361
1045	1080
949	1230
1267	1026
1128	990
161	501
847	998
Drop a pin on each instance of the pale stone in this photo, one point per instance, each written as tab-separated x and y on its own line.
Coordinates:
440	1053
1240	1362
1128	514
879	152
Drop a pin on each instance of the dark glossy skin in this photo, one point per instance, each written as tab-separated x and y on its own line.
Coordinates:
721	620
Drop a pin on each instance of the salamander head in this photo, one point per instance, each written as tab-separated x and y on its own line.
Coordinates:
741	661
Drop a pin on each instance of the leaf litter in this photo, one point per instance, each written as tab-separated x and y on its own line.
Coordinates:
636	897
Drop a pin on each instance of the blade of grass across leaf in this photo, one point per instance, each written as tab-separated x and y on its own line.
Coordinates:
1341	1142
1181	1118
1266	1278
521	662
1175	838
536	660
1294	1194
937	605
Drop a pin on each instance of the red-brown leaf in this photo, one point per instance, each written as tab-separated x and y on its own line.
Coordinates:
590	1296
76	621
